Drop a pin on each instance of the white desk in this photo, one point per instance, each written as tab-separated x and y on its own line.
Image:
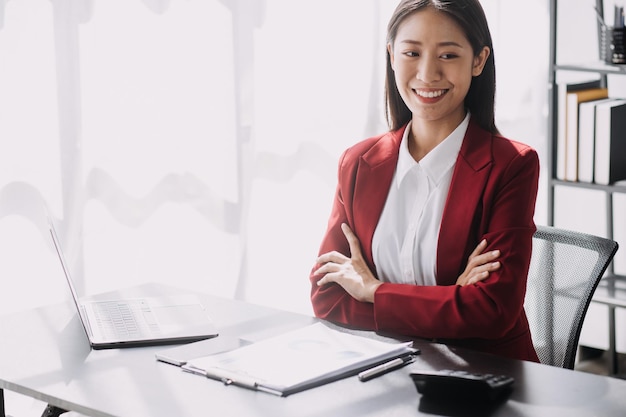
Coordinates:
45	355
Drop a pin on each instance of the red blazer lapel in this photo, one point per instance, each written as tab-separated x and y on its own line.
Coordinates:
375	173
462	212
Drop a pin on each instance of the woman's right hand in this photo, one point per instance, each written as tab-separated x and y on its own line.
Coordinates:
479	265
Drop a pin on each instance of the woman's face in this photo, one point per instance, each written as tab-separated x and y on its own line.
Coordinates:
434	64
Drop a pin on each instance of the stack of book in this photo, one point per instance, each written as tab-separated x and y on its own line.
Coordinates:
591	143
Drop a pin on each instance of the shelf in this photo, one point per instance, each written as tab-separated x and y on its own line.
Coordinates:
611	290
598	67
614	188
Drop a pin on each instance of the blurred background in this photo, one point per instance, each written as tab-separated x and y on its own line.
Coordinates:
195	142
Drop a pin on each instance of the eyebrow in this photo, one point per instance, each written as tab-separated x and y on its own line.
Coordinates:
446	43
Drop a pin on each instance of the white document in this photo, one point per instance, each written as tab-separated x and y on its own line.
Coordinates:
297	360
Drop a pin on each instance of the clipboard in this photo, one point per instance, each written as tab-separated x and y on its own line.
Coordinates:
297	360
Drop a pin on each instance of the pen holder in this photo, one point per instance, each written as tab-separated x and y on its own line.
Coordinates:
613	45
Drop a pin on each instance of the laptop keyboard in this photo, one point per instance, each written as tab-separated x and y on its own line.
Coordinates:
128	319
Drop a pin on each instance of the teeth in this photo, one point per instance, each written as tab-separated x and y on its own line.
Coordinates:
430	94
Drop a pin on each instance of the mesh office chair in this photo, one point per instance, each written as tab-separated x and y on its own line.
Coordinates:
565	270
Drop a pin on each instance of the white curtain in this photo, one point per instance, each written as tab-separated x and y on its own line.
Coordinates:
194	142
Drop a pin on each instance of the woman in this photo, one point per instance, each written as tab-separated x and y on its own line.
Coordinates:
431	228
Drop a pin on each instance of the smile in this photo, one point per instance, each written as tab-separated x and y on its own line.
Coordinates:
430	94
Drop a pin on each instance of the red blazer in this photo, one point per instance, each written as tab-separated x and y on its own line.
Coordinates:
492	196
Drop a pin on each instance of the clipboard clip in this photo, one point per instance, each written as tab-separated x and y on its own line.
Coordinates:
228	378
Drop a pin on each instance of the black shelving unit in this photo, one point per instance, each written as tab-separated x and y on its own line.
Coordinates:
612	289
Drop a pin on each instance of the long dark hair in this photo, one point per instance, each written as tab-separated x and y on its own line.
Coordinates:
470	17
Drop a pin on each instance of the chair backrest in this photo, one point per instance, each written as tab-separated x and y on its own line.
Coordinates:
565	269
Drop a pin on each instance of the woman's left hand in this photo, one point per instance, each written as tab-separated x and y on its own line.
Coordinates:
351	273
479	265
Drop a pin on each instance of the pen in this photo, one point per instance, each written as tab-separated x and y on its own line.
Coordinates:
383	368
618	18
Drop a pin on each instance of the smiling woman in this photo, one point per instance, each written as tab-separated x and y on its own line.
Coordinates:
431	228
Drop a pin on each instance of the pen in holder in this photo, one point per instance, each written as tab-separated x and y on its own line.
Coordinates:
613	45
617	46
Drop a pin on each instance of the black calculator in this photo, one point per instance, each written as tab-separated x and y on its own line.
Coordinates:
460	384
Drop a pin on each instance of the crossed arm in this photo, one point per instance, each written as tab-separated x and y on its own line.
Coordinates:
354	276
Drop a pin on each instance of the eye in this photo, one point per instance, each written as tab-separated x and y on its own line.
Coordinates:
449	56
411	54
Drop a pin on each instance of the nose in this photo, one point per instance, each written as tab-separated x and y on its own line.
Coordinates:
428	69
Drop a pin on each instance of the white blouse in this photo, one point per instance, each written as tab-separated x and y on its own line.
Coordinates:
405	241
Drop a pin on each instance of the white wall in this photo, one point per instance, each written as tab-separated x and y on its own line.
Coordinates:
192	143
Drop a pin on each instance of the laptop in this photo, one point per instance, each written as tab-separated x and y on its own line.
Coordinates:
131	322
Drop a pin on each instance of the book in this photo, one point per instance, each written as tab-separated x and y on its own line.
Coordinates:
586	139
563	88
610	152
298	360
574	99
